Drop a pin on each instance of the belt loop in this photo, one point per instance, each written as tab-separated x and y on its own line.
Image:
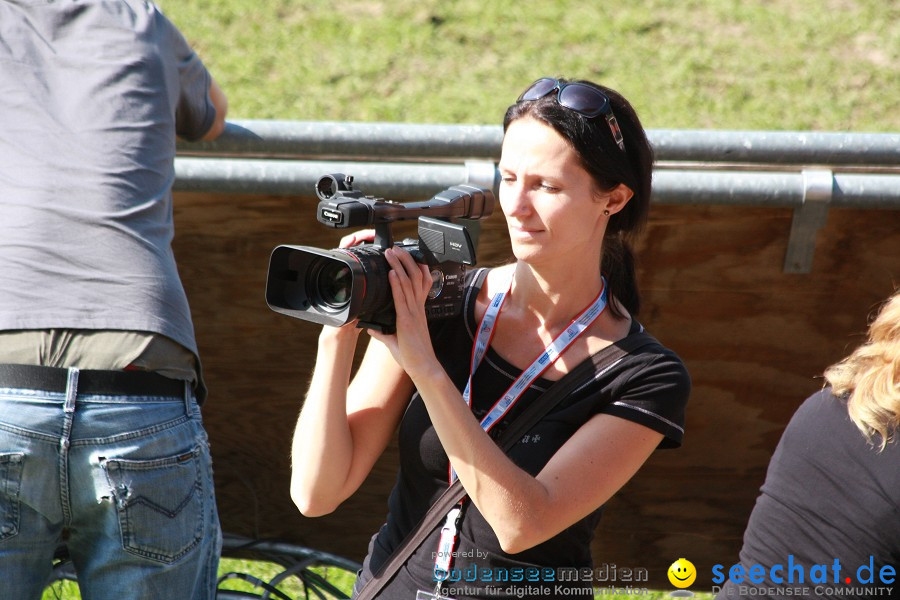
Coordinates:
71	389
188	395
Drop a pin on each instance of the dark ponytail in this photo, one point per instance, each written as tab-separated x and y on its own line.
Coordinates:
617	267
609	166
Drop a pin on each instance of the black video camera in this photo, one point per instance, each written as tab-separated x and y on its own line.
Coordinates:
334	287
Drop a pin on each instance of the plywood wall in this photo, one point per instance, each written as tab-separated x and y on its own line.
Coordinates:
755	340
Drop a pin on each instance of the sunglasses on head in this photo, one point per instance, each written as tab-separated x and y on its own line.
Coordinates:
584	99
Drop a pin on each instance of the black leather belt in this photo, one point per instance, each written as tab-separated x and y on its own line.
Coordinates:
107	383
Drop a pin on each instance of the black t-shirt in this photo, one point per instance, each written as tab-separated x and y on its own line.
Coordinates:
829	495
650	387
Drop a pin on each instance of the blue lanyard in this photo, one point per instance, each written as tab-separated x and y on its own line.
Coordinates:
540	364
509	398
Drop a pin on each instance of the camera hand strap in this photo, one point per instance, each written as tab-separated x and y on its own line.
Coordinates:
570	382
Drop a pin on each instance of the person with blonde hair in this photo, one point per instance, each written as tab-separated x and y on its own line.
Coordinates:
870	377
826	522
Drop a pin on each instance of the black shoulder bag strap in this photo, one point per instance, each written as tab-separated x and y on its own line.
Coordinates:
510	436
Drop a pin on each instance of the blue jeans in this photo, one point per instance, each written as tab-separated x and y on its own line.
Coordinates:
124	481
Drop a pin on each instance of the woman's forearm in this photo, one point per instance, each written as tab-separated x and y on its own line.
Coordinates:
322	448
343	428
507	496
525	510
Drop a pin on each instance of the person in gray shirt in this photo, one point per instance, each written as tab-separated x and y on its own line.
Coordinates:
102	445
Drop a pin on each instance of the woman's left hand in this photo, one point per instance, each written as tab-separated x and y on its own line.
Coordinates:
410	283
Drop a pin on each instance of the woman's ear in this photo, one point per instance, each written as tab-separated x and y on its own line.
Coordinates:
617	198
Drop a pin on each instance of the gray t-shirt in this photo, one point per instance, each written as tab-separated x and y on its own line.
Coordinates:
92	93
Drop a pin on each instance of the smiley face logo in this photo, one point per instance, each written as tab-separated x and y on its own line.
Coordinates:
682	573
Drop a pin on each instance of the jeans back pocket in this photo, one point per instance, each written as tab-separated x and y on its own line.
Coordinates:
11	464
161	504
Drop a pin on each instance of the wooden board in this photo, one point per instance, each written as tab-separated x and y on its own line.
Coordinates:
755	340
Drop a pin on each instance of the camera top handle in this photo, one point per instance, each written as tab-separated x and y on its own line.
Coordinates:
341	206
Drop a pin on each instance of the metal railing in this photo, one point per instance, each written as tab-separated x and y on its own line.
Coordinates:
416	142
809	172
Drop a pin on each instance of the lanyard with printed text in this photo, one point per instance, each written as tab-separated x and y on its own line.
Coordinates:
509	398
552	352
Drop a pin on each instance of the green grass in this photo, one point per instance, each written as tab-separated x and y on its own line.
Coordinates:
265	571
342	579
709	64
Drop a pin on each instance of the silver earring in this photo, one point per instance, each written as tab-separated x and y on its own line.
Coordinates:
606	212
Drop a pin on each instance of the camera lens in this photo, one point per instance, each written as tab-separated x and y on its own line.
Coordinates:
333	283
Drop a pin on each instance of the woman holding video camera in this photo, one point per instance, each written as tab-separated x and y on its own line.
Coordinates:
575	189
